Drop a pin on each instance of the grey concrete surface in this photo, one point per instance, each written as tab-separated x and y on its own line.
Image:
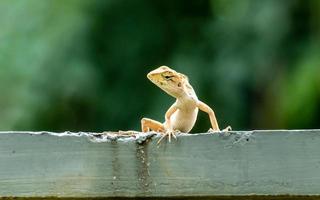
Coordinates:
34	164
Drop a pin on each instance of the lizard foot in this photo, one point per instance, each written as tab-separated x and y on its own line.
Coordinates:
168	133
228	128
211	130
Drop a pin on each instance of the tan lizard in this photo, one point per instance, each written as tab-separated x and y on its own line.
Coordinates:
182	115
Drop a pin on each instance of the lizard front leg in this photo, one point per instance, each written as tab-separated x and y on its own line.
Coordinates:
205	108
167	124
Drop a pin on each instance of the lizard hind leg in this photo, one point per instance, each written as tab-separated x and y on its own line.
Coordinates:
151	125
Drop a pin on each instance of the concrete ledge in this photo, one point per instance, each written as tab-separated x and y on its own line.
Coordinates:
43	164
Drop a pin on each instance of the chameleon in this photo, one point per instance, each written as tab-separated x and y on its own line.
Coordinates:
182	115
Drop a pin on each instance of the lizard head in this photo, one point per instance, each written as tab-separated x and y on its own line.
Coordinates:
169	80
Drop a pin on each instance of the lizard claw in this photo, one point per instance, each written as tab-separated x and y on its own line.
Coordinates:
211	130
228	128
169	133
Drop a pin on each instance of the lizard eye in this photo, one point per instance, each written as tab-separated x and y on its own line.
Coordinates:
168	77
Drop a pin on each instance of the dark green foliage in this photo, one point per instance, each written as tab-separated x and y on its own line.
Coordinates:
81	65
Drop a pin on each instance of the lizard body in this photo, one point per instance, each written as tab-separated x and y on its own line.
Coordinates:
182	115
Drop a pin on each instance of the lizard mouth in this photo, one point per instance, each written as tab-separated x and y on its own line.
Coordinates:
149	76
153	78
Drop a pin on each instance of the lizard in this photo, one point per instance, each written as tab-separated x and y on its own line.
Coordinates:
182	114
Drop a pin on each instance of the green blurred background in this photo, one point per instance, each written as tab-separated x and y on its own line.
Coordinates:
81	65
